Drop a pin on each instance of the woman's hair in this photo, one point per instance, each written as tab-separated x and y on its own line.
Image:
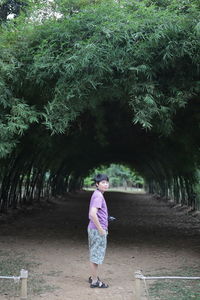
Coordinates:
100	177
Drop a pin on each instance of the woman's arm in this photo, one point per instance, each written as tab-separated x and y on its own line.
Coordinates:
95	219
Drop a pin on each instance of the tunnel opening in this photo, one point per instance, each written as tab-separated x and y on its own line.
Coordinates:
121	178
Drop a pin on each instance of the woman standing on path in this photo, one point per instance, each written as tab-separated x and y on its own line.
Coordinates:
98	229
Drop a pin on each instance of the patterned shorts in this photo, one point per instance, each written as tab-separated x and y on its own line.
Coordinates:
97	246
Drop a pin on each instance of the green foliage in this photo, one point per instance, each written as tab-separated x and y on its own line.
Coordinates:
94	82
197	189
144	55
119	176
8	7
99	51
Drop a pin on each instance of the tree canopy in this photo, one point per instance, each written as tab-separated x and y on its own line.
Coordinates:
85	83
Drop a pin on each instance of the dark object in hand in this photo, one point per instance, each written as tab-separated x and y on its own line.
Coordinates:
110	218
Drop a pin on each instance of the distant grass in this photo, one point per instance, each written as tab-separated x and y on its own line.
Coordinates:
10	265
121	190
177	289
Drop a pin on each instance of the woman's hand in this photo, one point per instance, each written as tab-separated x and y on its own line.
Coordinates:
102	231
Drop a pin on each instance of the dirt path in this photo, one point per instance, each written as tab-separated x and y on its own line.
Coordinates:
147	235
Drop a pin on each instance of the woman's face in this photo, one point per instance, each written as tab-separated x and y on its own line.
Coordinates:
103	185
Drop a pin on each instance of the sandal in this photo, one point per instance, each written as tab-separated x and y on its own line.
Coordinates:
99	284
90	279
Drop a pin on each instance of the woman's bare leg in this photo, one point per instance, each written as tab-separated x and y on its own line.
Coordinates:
94	271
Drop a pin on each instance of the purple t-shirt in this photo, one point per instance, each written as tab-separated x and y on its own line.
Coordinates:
98	201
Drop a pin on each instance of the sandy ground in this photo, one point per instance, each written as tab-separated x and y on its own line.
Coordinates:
147	235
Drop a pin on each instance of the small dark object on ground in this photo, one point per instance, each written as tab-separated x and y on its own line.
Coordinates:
110	218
